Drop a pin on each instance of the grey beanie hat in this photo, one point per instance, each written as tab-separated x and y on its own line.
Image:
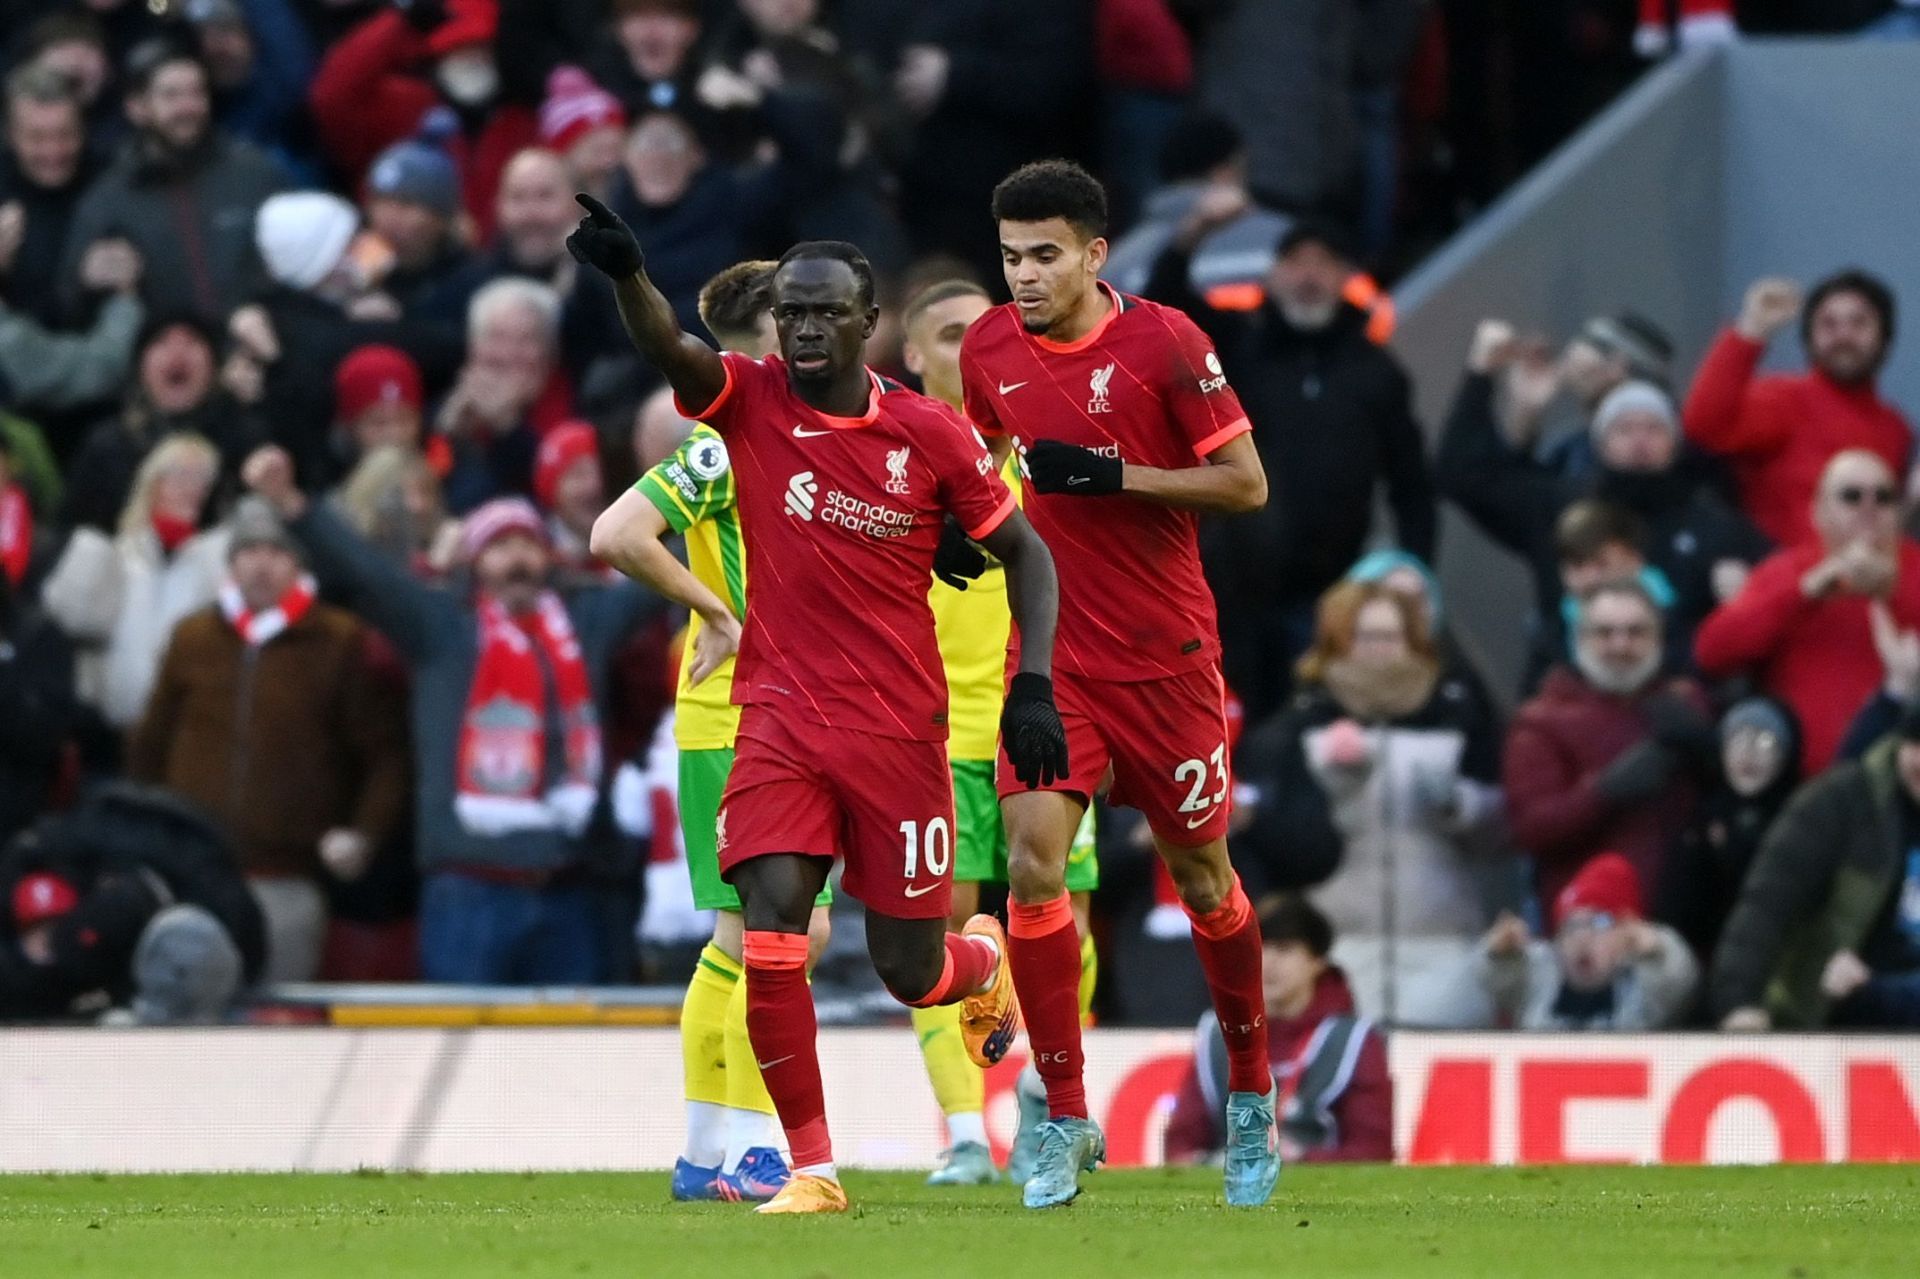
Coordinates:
186	969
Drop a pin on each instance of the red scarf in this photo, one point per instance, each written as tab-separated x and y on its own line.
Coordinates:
503	786
16	533
257	628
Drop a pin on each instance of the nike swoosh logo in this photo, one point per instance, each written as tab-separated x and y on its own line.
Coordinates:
1201	820
1077	479
1008	388
769	1065
920	892
802	433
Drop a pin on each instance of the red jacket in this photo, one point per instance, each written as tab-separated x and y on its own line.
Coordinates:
1139	44
1361	1099
1560	742
371	91
1780	431
1817	656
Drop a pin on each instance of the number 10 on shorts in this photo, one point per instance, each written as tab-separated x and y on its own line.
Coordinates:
935	849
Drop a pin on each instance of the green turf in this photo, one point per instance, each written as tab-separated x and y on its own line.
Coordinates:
1618	1222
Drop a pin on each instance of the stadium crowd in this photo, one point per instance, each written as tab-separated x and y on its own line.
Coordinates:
338	226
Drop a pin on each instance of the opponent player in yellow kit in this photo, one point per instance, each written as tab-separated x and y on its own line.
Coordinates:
972	626
732	1150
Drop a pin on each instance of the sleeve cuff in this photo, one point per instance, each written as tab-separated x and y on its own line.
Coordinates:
1239	426
663	500
701	414
986	527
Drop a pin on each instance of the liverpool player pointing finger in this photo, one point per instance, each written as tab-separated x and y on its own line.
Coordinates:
1128	427
845	481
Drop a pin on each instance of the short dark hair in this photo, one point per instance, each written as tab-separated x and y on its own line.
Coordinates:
149	57
732	302
1870	288
41	85
62	26
834	251
1288	917
1590	526
1053	189
936	293
1328	235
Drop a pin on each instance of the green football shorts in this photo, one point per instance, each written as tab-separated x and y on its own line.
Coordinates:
980	844
703	782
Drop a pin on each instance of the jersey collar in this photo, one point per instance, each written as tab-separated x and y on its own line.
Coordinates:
1092	335
876	386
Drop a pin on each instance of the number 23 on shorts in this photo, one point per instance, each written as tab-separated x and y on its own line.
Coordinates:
1193	773
928	848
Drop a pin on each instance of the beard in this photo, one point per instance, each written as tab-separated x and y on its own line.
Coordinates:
1309	317
1611	679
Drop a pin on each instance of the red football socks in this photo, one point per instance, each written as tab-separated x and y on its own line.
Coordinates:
968	964
781	1027
1045	953
1228	942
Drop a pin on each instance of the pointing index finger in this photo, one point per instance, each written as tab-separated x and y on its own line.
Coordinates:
595	210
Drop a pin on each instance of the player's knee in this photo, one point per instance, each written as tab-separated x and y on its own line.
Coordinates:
908	974
1202	876
771	901
1034	873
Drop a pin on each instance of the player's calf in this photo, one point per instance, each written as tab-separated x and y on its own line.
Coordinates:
1202	874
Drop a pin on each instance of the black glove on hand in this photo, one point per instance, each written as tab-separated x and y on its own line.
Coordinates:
1058	467
422	15
1641	773
1679	725
603	242
1031	732
958	561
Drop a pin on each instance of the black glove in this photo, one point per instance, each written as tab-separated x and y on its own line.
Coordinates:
1031	732
958	561
1679	725
603	241
1058	467
422	15
1640	773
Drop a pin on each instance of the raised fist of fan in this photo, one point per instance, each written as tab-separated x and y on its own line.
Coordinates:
604	242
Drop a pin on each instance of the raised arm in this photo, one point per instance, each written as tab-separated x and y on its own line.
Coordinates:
1030	727
692	368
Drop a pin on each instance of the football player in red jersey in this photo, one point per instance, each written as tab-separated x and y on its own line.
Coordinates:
845	483
1128	431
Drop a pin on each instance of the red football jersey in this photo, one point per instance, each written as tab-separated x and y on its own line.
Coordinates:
841	518
1144	386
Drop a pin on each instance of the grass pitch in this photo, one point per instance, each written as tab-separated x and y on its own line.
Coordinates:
1794	1223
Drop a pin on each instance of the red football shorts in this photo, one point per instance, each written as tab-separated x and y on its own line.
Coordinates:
884	805
1166	740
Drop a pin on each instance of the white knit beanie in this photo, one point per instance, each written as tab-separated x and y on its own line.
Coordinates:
1634	397
302	235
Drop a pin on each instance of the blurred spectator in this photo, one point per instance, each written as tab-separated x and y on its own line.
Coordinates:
259	60
1757	772
509	393
569	488
992	85
175	392
324	302
1386	774
120	599
1144	57
647	60
1609	351
1329	1063
509	684
1780	431
392	499
1332	417
16	524
377	403
264	713
44	169
1701	546
412	202
1802	626
182	192
36	705
1202	205
43	371
1283	74
71	44
1827	927
1409	575
1607	967
584	125
1602	758
368	94
132	897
